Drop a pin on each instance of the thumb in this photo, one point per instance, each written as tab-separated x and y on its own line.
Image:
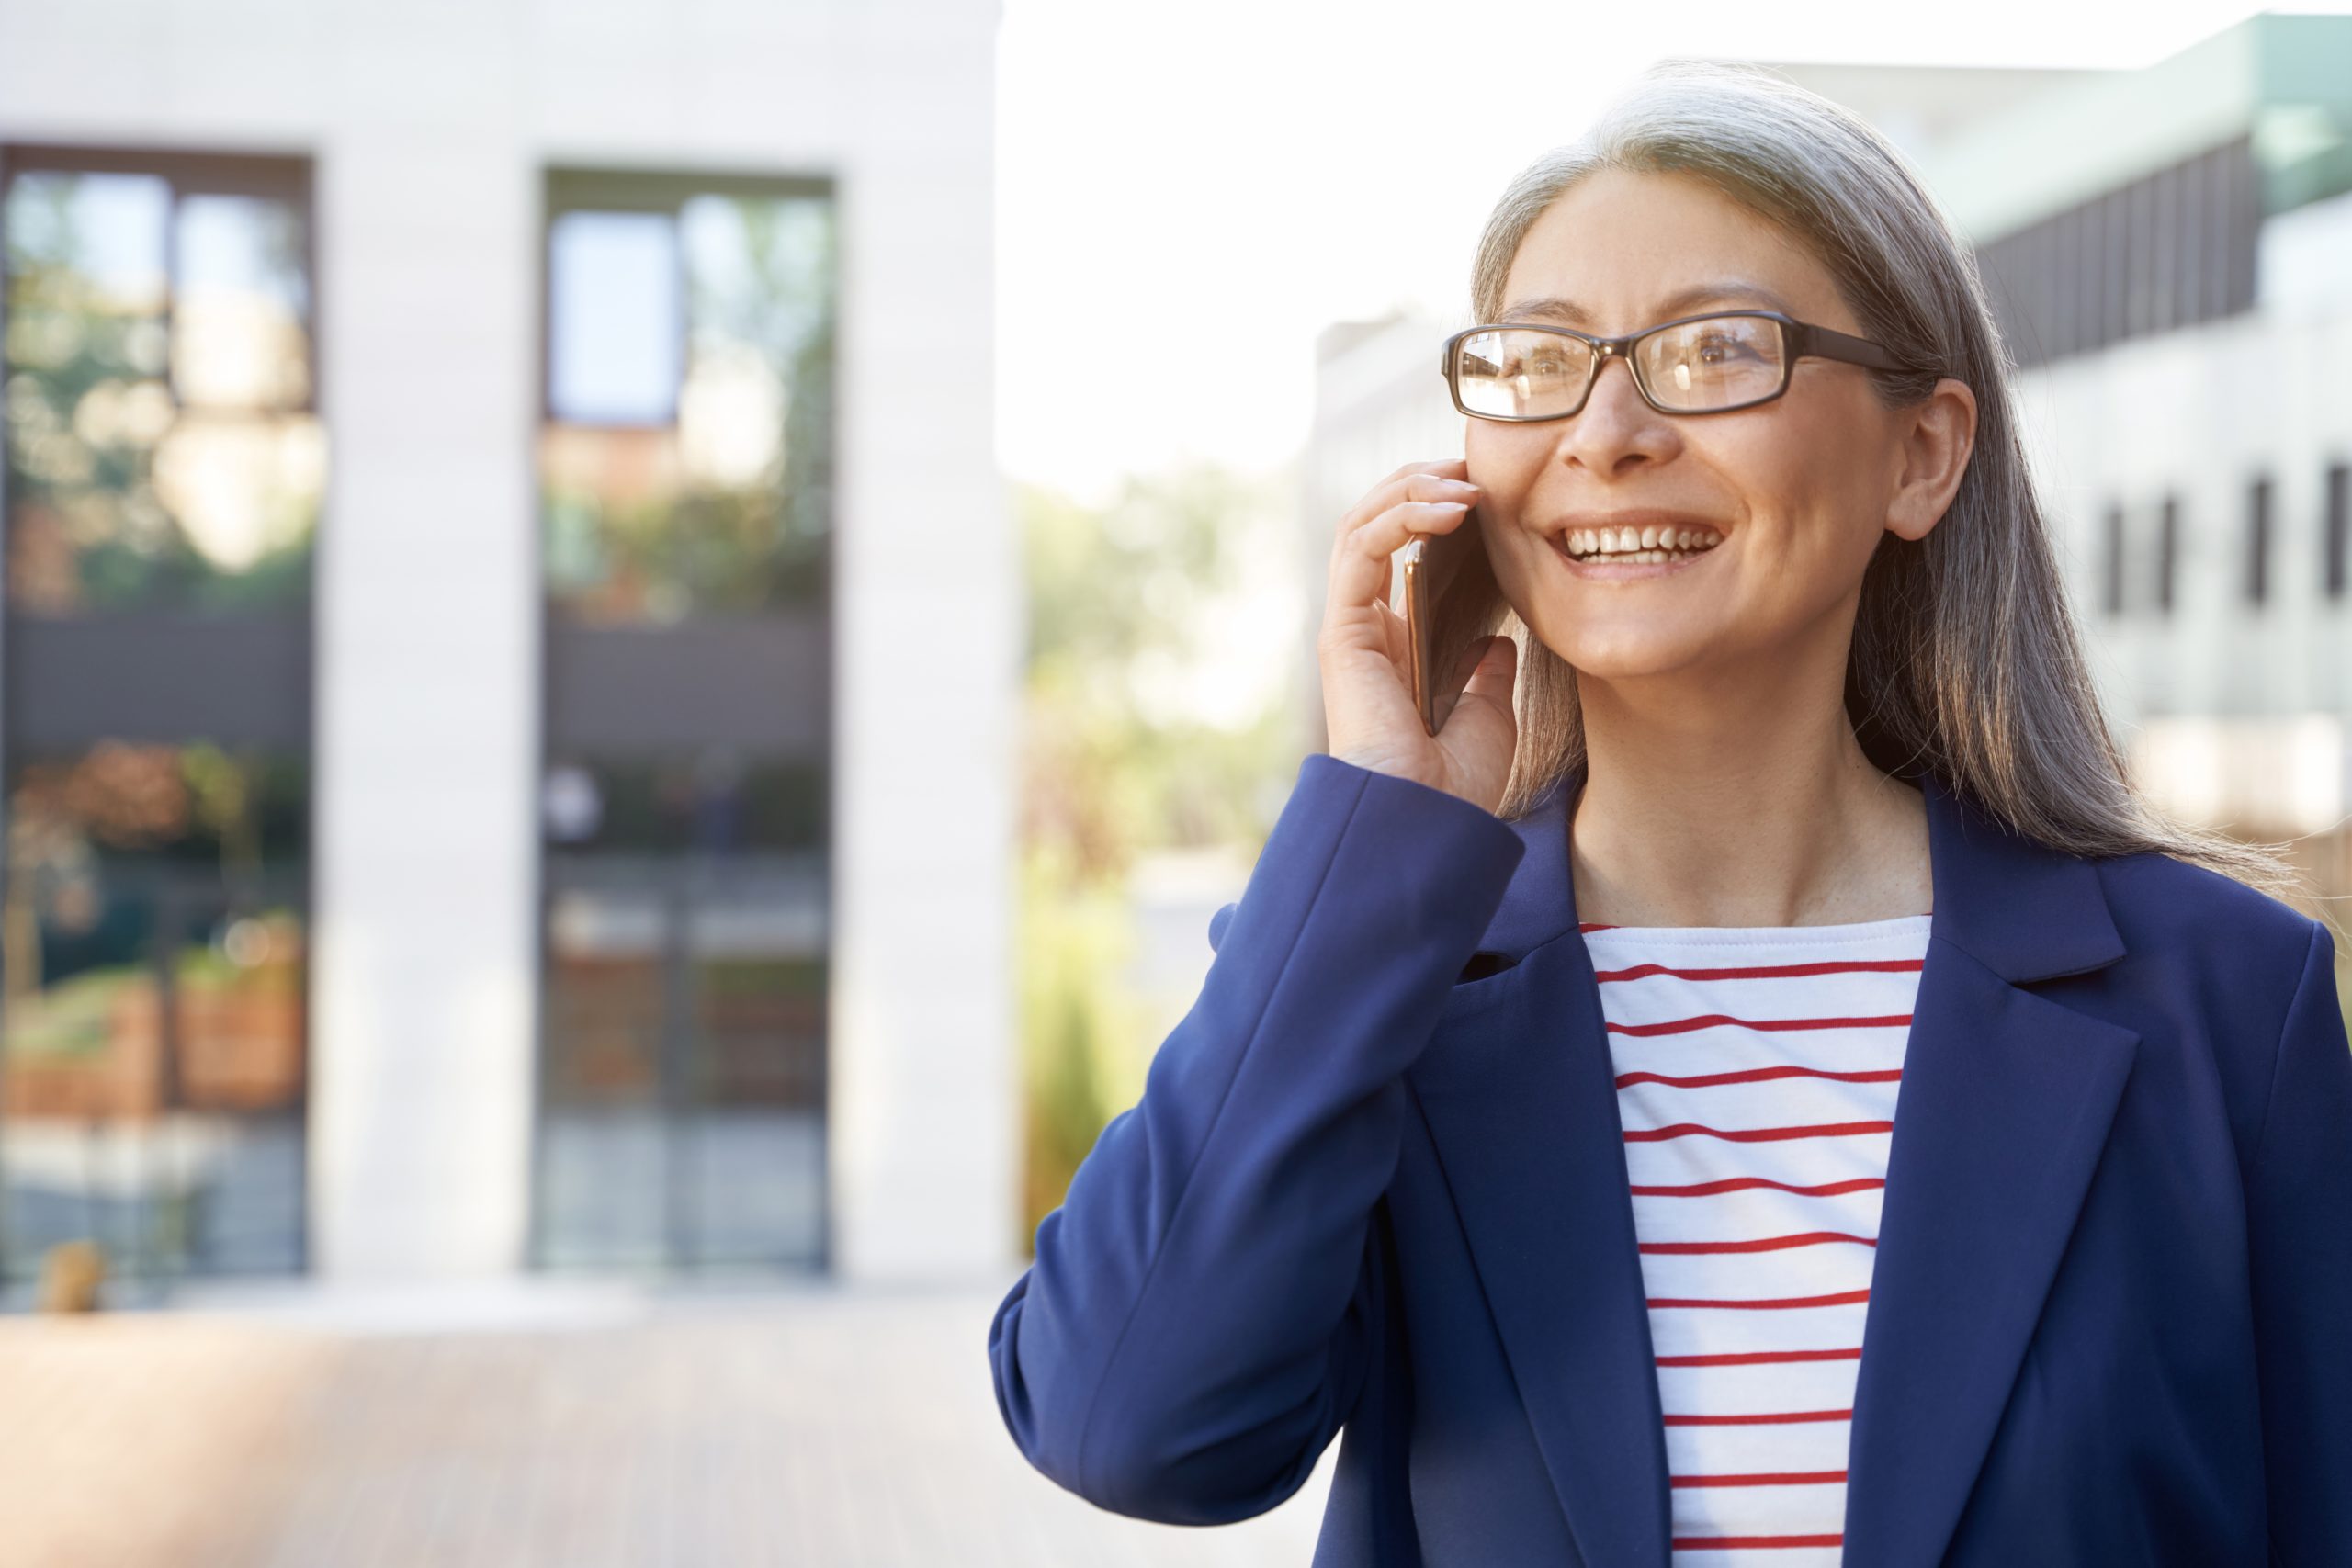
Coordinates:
1497	670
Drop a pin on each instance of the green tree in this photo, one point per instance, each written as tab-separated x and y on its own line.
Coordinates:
1119	597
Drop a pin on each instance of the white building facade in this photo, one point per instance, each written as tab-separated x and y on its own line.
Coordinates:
522	225
2170	250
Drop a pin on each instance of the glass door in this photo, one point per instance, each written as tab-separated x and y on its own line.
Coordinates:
685	472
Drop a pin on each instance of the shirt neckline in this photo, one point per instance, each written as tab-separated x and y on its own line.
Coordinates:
1896	925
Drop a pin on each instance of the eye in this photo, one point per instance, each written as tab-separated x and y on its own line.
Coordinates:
1715	348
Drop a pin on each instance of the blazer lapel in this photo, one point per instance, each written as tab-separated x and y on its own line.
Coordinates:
2006	1103
1521	1100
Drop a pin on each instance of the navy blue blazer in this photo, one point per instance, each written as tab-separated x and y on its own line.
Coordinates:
1375	1181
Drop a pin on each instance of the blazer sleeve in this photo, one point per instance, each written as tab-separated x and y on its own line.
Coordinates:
1204	1304
2299	1232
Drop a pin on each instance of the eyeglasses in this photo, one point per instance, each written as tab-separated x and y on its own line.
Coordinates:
1711	364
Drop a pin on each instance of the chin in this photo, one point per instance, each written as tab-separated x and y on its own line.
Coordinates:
1641	652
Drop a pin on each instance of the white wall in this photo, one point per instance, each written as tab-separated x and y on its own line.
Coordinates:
431	120
2202	411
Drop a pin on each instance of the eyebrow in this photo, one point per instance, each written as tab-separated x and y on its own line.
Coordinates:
1673	305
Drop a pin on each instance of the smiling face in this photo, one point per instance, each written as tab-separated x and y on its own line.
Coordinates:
1801	488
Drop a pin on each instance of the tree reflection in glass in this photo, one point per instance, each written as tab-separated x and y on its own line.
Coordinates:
154	466
726	508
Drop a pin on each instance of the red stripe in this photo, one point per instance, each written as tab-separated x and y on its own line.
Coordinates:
1780	1478
1755	1358
1768	971
1761	1244
1838	1300
1761	1075
1756	1135
1734	1183
1770	1025
1756	1420
1751	1542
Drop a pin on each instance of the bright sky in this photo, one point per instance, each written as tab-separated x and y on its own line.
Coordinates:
1201	188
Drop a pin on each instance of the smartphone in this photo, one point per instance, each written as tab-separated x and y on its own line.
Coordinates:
1440	569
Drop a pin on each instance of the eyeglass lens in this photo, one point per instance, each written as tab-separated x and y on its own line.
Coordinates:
1519	373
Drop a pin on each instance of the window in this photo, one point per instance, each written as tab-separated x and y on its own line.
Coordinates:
165	471
2338	525
616	318
685	469
2258	541
2168	551
2112	561
685	461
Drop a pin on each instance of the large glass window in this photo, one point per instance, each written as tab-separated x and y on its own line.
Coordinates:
165	470
685	483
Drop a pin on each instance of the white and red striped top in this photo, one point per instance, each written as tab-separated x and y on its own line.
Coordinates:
1757	1074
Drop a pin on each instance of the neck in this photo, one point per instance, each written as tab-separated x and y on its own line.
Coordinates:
1736	806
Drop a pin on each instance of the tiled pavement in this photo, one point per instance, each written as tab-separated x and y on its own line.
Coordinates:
817	1426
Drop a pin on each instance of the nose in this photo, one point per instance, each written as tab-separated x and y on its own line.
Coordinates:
1616	429
1600	377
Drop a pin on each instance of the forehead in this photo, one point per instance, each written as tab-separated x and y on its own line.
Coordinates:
1617	243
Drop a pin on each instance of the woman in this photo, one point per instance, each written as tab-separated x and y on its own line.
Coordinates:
1538	1120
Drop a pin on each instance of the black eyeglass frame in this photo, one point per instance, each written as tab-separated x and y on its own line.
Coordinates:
1800	340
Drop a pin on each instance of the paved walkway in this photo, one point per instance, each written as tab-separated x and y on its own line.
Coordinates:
821	1427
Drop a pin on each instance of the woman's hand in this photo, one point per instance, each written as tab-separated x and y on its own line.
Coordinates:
1366	657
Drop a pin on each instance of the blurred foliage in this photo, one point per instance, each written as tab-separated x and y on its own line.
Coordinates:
85	409
1121	598
1074	938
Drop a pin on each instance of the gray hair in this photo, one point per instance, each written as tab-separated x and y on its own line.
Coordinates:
1966	658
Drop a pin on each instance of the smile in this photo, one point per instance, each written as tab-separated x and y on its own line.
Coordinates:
1650	543
1620	554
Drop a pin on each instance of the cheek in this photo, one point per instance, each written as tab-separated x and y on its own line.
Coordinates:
1824	475
1496	462
1505	466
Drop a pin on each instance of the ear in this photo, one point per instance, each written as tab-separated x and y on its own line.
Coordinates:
1939	433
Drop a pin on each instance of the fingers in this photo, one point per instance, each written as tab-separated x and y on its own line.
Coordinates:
1360	570
1395	487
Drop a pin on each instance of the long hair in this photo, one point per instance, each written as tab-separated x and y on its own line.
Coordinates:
1965	660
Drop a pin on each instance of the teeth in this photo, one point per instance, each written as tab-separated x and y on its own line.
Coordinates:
1652	542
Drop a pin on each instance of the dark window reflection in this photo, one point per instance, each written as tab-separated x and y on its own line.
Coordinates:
712	803
152	1042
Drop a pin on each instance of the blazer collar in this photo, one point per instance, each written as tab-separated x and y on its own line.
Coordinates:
1983	875
2006	1101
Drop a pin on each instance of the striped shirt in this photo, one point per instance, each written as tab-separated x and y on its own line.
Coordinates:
1757	1073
